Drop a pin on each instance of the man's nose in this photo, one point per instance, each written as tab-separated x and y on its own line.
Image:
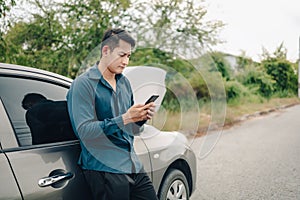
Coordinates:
125	60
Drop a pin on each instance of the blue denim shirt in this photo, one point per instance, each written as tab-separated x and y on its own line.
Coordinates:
95	111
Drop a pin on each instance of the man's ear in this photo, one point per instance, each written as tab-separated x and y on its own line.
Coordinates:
105	50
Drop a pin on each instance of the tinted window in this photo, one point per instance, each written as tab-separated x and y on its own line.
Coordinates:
13	91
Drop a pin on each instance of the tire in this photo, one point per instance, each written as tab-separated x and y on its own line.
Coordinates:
174	186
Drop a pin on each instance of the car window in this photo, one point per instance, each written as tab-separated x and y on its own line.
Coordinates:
36	122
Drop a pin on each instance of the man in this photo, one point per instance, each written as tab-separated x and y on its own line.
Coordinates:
100	104
48	120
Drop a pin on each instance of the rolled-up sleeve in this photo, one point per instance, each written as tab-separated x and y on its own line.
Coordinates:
81	106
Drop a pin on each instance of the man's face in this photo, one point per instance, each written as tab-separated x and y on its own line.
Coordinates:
118	58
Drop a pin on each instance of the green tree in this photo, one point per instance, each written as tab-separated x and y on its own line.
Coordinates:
38	43
172	25
58	36
5	7
85	22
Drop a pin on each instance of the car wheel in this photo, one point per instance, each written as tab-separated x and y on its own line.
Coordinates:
174	186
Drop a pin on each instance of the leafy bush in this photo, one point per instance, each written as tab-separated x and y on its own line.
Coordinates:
258	80
199	85
222	65
235	90
283	74
282	71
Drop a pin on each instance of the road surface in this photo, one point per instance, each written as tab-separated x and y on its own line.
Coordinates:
258	159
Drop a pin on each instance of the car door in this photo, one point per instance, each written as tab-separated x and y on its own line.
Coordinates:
9	188
42	171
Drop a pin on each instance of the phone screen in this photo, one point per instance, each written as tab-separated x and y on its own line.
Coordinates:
152	99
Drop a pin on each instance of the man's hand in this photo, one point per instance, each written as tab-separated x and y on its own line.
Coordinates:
138	112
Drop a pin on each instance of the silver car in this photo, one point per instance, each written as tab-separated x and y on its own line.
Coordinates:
49	170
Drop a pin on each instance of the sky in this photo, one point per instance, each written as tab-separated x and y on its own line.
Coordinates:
254	24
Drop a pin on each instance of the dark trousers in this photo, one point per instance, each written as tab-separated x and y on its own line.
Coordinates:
111	186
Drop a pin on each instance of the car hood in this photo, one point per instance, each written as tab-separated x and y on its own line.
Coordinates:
157	140
145	82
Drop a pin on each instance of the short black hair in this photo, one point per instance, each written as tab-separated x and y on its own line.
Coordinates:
111	38
30	99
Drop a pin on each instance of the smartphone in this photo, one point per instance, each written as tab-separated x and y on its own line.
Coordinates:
152	99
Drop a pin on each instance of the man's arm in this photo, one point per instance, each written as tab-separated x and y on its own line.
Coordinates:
81	106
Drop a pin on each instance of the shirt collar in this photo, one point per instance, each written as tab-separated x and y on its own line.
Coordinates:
94	73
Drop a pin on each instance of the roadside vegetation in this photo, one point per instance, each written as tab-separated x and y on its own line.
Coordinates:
59	36
250	87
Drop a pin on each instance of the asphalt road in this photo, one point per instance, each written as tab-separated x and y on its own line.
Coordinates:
258	159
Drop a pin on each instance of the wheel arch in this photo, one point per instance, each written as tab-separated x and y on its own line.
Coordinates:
183	166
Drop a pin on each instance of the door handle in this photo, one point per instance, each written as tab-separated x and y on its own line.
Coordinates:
47	181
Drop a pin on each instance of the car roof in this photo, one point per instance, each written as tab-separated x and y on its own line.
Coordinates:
30	71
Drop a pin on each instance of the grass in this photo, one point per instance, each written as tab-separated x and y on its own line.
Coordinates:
234	112
192	122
